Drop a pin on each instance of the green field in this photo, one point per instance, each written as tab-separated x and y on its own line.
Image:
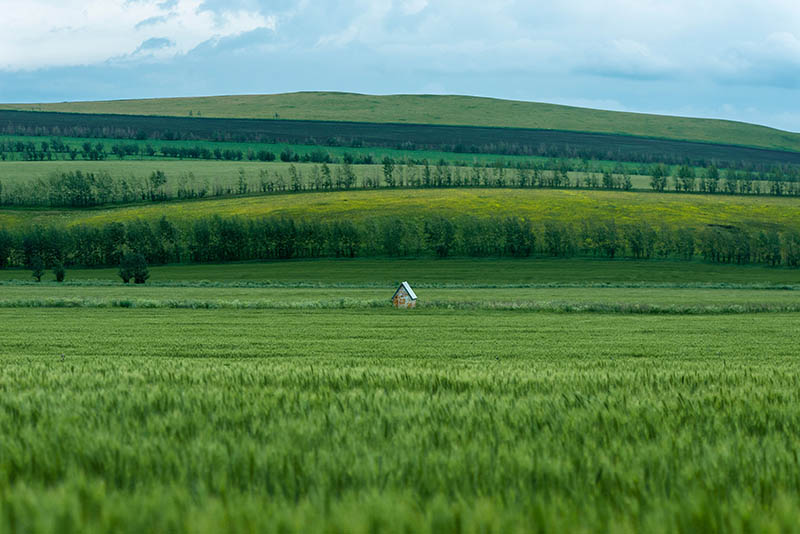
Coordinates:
640	300
227	172
431	109
211	172
13	164
457	273
535	285
382	421
683	210
330	411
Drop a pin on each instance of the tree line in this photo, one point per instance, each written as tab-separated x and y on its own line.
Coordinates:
56	149
218	239
414	137
81	189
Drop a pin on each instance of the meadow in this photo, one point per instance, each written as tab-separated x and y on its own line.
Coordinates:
438	110
365	421
211	172
226	173
638	300
568	206
452	272
327	410
13	169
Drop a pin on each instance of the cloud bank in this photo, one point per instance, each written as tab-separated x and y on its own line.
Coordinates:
729	58
36	34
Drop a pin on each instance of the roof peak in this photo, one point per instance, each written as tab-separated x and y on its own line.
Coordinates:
407	287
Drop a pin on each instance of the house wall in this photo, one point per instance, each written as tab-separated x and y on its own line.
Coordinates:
403	300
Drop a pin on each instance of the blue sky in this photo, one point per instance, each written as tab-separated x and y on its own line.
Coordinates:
718	58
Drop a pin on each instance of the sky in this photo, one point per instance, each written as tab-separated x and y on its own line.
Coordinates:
730	59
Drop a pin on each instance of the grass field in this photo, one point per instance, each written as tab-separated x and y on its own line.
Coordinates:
452	272
683	210
430	109
222	172
337	152
640	300
227	172
596	286
364	421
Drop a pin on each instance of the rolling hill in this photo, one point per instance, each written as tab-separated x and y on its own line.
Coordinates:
569	206
438	110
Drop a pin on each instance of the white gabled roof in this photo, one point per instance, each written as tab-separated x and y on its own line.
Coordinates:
408	289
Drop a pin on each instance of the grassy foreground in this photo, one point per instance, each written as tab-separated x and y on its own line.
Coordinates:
432	109
683	210
383	421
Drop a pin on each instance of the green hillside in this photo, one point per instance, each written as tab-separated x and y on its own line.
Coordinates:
433	109
673	210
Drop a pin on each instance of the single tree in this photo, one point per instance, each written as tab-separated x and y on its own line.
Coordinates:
686	176
156	180
658	177
125	267
37	266
133	266
59	272
140	271
327	181
242	186
712	179
608	180
388	171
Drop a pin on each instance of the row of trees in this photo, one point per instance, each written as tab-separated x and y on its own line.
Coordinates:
55	149
58	149
463	140
86	189
216	239
778	182
132	266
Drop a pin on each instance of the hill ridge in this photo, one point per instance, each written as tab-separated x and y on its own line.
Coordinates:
455	110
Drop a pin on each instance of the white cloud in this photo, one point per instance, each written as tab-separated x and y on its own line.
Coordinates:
771	60
47	33
412	7
714	58
627	58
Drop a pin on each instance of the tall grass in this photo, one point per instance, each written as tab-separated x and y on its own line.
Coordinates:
365	421
637	308
286	284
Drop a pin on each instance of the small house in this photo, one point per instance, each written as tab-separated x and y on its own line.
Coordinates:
404	297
